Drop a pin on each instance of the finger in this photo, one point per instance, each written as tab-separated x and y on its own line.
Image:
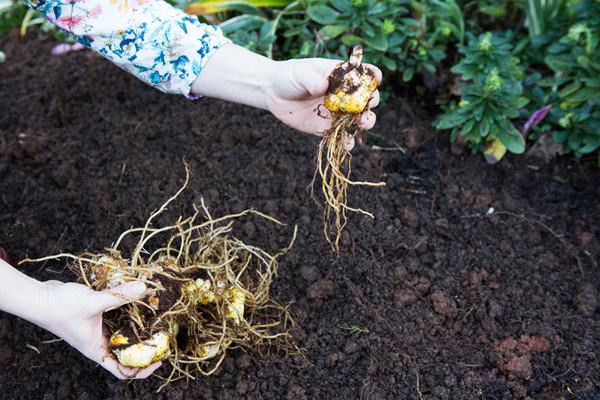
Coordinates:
349	142
377	71
123	372
367	120
318	86
120	295
100	354
374	101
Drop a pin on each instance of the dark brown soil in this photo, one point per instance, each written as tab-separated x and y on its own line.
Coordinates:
457	304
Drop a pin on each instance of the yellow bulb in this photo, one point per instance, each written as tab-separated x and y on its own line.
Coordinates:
141	354
350	85
235	310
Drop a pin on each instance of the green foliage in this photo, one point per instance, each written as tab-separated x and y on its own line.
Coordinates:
576	61
492	95
580	128
11	15
486	52
258	42
574	57
495	9
486	109
378	26
541	13
354	328
398	35
16	14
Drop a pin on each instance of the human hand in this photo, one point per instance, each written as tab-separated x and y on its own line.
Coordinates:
291	90
75	315
298	87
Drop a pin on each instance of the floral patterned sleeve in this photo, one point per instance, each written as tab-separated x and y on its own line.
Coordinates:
157	43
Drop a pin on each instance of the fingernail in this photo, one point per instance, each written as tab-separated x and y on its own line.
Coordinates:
138	288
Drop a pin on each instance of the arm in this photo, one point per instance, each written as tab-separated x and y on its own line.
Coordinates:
71	311
291	90
175	53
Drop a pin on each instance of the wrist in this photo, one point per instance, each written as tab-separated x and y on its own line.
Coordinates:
23	296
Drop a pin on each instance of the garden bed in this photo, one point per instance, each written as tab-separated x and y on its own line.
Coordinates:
458	304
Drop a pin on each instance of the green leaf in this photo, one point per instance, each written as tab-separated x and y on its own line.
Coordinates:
583	94
351	40
429	67
574	142
468	127
560	179
512	139
239	6
408	75
389	63
450	121
242	22
484	128
590	143
322	14
561	136
396	39
378	42
368	30
591	82
214	6
331	31
379	7
437	54
294	31
520	102
572	88
584	61
342	5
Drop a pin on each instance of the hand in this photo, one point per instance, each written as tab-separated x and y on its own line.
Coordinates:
291	90
75	315
298	88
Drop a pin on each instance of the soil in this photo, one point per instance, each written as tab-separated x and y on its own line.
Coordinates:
446	301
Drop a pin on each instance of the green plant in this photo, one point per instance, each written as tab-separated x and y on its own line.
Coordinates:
578	128
576	62
355	329
486	52
16	14
423	50
541	13
575	85
450	18
11	15
398	35
341	24
485	113
255	24
495	9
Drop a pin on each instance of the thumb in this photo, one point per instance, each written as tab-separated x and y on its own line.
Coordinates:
317	85
120	295
312	74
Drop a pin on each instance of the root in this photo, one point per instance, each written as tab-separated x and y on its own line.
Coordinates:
205	289
334	168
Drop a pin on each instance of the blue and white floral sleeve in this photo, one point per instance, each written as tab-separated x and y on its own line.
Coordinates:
157	43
